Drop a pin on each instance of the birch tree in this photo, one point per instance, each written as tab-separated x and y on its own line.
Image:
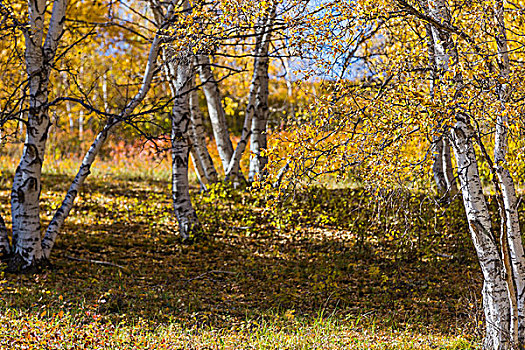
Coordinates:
180	146
256	113
25	194
201	157
179	70
28	250
503	312
258	142
215	110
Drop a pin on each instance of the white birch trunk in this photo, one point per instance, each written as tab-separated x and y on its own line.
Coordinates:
180	147
442	166
260	52
81	118
25	193
496	301
258	141
105	92
496	297
289	87
68	103
233	169
437	166
199	170
508	191
215	111
198	137
180	74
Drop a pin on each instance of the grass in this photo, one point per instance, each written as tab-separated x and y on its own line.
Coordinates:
330	269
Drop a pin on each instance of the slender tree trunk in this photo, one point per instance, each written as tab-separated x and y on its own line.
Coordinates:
25	193
258	142
289	88
233	169
105	92
215	111
497	293
442	166
260	69
180	147
437	166
180	74
508	192
68	103
81	118
199	169
198	137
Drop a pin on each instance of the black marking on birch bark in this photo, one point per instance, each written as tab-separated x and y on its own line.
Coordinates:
20	197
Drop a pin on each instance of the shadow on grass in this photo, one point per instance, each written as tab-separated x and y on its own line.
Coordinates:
330	252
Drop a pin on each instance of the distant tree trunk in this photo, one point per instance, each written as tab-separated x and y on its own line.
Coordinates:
68	103
215	111
81	115
105	91
289	88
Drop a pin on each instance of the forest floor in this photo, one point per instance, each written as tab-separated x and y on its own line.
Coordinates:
326	269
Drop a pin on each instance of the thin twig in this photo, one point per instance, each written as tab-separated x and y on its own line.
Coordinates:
94	261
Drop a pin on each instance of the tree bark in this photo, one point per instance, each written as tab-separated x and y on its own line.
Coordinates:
215	111
442	161
497	296
25	193
496	303
199	170
198	137
179	70
5	248
180	147
259	70
258	141
508	192
450	178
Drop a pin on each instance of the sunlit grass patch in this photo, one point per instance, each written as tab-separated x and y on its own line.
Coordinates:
68	331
